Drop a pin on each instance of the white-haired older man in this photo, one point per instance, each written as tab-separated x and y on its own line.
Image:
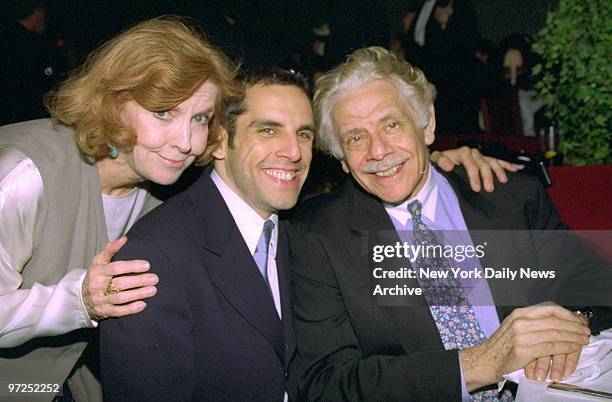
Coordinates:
370	325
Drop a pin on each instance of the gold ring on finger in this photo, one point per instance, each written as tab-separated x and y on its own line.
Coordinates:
111	288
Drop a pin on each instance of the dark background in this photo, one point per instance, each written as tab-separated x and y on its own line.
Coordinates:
86	23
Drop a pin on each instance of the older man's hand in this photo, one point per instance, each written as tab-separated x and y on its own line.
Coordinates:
525	336
479	168
558	366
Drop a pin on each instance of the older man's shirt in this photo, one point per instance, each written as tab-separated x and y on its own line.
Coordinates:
442	214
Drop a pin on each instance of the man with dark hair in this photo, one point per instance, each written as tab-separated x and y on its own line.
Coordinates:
220	326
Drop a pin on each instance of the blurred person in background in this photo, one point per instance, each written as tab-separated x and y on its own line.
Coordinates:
35	59
440	39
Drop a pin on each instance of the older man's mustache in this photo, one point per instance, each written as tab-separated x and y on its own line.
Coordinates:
385	164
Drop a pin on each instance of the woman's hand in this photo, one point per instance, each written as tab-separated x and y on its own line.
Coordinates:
115	289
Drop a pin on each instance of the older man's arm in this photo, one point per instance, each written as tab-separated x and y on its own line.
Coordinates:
545	339
583	279
332	363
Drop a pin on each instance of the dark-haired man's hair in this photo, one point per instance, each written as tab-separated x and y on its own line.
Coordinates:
274	76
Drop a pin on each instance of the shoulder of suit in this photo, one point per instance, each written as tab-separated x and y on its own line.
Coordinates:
323	210
520	185
167	221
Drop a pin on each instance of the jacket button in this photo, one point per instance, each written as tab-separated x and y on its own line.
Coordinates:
286	374
286	346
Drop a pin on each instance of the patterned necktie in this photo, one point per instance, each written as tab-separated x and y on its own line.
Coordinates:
452	311
261	251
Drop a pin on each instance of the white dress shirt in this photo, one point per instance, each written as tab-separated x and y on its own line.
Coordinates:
441	212
250	225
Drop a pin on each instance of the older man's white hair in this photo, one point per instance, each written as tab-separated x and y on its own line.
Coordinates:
360	68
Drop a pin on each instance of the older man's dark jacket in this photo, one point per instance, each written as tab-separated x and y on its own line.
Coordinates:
354	348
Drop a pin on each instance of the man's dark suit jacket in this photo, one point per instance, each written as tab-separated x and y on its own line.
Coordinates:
211	332
351	347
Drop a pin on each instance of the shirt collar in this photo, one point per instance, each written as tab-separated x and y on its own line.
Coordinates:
247	219
428	197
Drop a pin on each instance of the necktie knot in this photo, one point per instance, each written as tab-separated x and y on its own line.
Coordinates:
261	251
264	238
415	208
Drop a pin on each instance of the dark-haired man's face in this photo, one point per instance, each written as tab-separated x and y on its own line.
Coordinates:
271	151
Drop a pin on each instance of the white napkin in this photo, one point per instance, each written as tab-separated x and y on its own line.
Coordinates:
594	368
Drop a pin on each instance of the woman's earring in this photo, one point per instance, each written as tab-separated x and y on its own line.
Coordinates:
114	153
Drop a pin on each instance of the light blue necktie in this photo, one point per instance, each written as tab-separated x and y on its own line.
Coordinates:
261	251
451	309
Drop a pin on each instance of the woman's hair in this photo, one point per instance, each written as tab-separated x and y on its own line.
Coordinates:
159	64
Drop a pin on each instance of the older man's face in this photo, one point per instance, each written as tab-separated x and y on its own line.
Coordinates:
384	149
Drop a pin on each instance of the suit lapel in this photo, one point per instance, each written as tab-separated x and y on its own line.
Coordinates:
369	226
409	315
231	265
489	225
284	284
481	217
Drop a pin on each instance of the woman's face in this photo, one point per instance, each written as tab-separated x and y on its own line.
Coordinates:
168	141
